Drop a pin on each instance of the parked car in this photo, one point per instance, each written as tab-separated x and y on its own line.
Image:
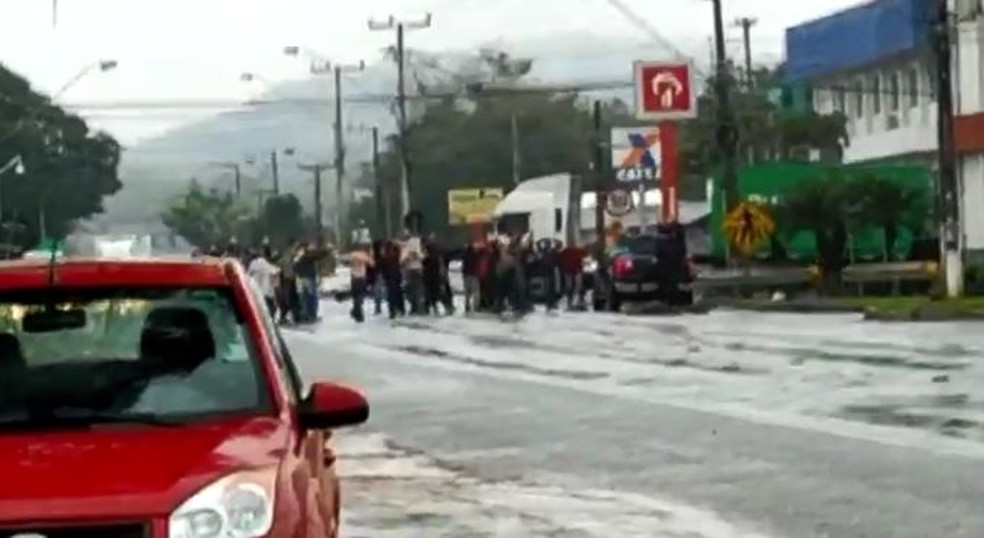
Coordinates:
156	398
646	267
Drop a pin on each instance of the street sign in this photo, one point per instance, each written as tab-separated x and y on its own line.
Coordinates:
619	203
748	226
665	91
637	154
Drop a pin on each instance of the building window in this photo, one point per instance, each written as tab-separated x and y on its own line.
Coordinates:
931	86
876	95
912	87
857	93
894	100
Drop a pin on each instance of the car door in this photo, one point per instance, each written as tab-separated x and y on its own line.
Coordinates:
313	478
319	455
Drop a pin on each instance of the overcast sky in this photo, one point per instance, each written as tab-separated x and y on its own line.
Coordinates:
194	49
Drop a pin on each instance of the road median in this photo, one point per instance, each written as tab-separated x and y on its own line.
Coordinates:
914	308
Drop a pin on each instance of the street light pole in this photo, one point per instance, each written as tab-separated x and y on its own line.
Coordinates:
401	98
340	147
320	65
382	207
317	168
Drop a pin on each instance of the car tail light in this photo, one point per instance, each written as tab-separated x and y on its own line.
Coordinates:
621	266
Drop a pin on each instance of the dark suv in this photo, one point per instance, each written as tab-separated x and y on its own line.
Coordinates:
647	267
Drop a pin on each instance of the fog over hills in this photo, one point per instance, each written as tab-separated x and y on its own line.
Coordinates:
154	170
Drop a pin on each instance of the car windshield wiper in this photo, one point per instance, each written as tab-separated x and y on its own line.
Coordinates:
81	418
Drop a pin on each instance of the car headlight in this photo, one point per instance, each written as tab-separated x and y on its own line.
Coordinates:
237	506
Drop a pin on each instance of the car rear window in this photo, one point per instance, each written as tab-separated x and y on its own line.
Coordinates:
210	364
643	245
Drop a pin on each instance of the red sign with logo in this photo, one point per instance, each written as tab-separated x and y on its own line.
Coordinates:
664	91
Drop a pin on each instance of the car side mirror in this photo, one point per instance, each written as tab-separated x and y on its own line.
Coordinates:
330	405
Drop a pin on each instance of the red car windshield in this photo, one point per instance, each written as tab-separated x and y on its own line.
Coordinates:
138	353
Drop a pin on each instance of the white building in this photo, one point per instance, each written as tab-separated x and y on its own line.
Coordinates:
873	62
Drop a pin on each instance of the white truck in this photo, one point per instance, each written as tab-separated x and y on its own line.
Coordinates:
544	207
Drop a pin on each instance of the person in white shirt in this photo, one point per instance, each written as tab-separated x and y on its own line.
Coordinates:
264	273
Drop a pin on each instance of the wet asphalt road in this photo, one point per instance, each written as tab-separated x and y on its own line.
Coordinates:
478	427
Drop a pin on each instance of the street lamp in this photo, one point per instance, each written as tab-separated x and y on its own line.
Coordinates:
320	66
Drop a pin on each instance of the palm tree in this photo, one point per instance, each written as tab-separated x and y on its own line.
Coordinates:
890	206
825	208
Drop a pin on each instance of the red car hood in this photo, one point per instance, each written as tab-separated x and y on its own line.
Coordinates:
131	472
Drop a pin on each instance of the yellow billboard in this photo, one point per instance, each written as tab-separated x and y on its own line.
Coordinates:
468	206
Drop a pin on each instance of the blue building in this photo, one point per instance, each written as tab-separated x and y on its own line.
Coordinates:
871	62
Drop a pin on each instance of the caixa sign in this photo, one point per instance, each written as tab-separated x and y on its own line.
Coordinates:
636	174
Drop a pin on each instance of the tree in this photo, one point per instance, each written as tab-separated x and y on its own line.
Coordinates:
826	208
766	132
890	205
206	217
466	142
60	154
282	221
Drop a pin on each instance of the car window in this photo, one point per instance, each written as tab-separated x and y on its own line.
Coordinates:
643	245
285	363
153	351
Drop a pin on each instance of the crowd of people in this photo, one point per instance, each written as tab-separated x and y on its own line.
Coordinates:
288	279
412	276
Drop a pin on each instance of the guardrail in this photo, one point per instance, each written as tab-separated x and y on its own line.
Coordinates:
881	272
754	276
917	271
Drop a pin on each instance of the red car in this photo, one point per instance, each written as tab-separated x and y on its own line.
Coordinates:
156	399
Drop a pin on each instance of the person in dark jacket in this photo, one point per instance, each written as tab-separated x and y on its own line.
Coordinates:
434	277
306	270
391	271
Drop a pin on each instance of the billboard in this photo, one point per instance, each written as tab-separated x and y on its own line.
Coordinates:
469	206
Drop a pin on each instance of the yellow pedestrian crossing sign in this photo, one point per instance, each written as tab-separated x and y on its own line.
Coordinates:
748	226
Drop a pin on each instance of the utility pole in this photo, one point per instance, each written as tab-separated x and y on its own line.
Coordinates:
746	24
516	156
276	173
237	175
727	133
340	147
317	168
948	183
382	204
401	98
600	181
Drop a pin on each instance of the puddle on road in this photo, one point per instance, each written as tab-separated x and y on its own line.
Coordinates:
392	492
499	341
934	413
800	355
500	365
